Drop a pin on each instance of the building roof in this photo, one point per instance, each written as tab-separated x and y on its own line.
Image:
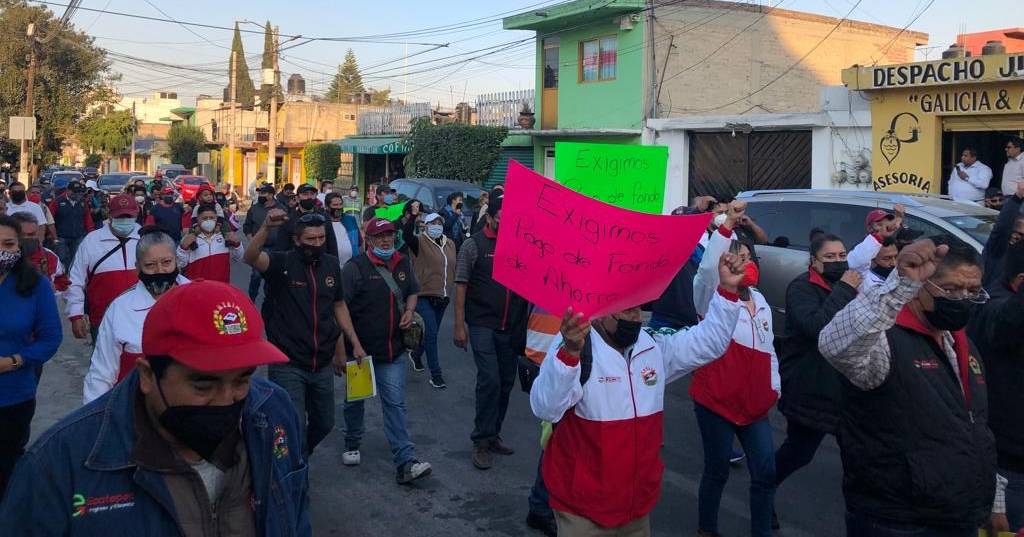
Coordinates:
575	12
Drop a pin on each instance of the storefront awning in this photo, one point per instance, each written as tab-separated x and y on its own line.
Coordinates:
375	145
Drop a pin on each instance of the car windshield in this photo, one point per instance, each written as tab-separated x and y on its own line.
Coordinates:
195	181
978	226
172	173
113	180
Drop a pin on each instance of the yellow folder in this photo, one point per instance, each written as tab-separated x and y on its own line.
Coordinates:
360	380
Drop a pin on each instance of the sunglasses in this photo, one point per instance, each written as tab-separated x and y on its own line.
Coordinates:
312	218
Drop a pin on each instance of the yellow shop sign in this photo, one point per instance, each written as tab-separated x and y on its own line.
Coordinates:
992	68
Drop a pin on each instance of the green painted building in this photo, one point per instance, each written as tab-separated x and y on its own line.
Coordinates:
590	74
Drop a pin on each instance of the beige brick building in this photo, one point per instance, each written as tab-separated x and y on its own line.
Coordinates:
722	52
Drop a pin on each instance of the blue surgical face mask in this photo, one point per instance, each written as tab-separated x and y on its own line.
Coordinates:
434	231
382	253
389	198
122	227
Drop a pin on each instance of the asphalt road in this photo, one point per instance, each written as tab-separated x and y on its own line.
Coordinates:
460	500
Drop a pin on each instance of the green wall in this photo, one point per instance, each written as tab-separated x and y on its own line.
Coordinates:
612	104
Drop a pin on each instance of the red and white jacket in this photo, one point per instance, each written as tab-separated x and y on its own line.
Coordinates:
744	384
119	341
47	262
95	283
211	260
603	461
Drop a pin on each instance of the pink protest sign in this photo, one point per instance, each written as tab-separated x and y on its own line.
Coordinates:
558	248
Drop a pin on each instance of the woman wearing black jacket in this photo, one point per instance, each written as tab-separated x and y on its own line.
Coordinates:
810	385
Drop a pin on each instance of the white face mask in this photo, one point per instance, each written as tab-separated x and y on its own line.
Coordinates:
720	219
434	231
208	225
140	199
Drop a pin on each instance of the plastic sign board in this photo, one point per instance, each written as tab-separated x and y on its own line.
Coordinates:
627	176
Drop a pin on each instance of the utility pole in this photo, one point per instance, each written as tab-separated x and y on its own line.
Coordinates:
135	132
29	105
272	139
231	132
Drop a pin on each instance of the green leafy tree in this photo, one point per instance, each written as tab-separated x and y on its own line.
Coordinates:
380	97
321	161
455	151
347	86
268	63
71	73
185	143
246	92
109	134
93	160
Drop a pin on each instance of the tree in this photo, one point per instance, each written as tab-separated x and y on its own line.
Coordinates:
108	134
245	95
71	73
380	97
455	151
321	161
185	143
268	63
347	86
93	160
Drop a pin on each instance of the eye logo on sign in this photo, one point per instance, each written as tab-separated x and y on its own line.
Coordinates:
894	139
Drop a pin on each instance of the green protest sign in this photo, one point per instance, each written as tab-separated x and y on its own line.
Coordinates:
391	212
627	176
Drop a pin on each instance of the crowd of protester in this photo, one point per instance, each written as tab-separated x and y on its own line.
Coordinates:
905	349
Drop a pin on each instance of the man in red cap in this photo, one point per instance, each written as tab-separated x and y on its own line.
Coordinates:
189	443
104	267
380	292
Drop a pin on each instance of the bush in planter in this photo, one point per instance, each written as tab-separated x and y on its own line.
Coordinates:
455	151
321	161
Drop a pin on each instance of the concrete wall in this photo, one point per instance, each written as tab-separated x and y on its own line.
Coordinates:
723	51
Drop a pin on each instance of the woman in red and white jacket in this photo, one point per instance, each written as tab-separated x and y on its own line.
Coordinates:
732	396
119	341
602	465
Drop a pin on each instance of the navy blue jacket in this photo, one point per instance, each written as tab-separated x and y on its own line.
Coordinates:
78	479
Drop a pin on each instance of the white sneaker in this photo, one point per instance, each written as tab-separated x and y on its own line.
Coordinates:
350	458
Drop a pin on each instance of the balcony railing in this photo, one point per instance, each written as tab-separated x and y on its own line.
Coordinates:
502	109
390	119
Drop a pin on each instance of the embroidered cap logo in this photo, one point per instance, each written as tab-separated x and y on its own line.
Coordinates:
229	319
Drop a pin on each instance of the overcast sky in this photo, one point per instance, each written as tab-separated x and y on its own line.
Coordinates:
471	25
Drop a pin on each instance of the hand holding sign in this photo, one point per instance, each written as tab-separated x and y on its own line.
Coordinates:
558	248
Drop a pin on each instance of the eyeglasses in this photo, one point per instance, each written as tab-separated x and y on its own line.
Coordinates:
316	219
980	296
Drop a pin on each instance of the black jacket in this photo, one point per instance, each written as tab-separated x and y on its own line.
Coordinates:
375	310
998	241
998	330
488	303
285	233
811	387
917	449
299	308
675	305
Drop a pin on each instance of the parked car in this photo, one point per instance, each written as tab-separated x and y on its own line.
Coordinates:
788	216
135	174
433	194
61	179
170	171
113	183
189	185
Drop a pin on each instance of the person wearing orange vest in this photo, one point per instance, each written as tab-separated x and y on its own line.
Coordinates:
119	340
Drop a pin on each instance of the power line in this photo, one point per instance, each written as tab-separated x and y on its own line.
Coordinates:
190	30
902	30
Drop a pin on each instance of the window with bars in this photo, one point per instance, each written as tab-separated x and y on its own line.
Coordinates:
598	58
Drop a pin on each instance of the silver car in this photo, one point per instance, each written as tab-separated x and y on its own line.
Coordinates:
788	216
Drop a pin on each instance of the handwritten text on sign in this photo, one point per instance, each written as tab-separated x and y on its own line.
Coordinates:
558	248
627	176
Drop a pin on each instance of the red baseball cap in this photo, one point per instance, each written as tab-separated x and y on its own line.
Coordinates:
204	186
376	226
208	326
878	215
123	205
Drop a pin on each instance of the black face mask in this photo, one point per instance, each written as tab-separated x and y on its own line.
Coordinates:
159	283
307	205
949	314
834	270
168	199
626	333
202	428
29	247
76	195
883	272
336	213
18	197
310	254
